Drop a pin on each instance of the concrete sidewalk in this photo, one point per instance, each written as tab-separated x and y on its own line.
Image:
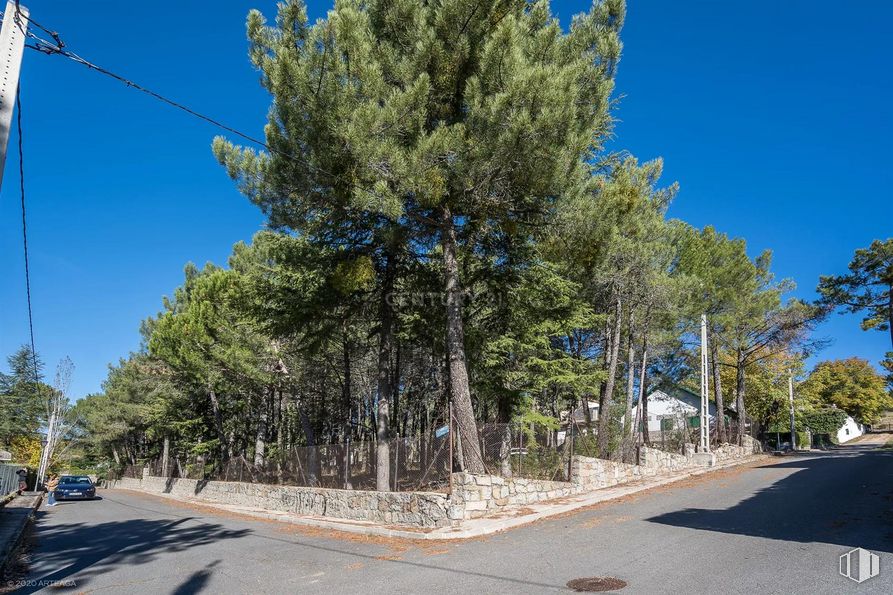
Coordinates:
472	527
14	517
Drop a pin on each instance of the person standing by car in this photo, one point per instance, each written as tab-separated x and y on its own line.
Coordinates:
52	484
23	480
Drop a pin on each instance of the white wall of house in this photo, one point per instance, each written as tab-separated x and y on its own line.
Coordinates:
662	405
849	430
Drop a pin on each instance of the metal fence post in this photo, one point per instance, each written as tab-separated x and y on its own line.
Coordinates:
396	461
570	458
450	438
520	448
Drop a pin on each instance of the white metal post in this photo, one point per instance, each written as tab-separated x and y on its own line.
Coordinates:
705	419
791	400
12	45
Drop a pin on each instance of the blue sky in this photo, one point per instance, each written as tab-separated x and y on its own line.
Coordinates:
772	116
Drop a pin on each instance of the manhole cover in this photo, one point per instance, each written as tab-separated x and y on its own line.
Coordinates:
596	583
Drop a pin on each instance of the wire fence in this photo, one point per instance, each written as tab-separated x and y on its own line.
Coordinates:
424	463
670	433
513	450
533	452
415	464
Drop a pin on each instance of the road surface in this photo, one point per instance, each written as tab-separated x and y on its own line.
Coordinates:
775	527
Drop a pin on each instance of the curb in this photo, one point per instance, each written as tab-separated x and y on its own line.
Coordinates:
10	548
487	526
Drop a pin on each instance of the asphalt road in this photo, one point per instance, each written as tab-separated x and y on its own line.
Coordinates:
776	527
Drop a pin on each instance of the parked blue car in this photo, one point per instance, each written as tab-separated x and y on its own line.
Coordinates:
75	487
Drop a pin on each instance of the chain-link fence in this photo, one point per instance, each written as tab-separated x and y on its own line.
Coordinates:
514	450
126	471
416	464
534	452
619	445
424	463
675	430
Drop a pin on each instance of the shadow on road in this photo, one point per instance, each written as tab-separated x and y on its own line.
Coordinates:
844	498
82	551
196	581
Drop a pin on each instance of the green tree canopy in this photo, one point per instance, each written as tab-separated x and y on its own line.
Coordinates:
852	385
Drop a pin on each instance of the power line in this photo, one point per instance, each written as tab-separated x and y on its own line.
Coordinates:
47	48
57	46
25	238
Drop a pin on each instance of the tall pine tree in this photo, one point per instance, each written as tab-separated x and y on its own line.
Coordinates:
438	123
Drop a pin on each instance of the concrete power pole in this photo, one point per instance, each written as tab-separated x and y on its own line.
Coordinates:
705	419
791	402
12	45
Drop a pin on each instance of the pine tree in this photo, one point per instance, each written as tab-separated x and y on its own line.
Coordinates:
868	288
440	123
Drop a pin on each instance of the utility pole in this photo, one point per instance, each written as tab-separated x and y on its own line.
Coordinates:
791	402
12	46
705	419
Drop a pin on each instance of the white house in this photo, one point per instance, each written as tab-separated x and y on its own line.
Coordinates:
672	408
849	430
676	406
579	416
580	412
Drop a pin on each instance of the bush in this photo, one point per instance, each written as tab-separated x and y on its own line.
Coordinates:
803	440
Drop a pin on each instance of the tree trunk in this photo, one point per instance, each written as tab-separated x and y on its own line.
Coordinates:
460	392
218	423
116	456
165	455
260	435
313	470
346	397
739	395
280	436
643	393
398	428
630	379
505	452
385	346
717	392
607	392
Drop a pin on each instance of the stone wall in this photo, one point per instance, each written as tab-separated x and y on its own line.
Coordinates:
752	445
592	474
475	496
417	509
728	452
662	461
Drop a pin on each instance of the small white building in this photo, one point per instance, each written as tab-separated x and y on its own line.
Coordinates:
580	412
674	407
579	417
849	430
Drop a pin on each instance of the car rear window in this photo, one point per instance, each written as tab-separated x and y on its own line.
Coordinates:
76	480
